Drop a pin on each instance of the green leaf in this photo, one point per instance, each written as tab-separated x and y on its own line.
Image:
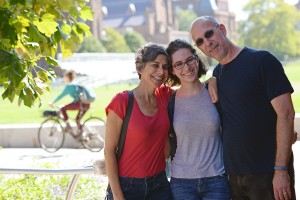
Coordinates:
5	58
65	48
40	85
66	29
51	61
85	28
47	49
48	17
65	4
74	12
26	95
46	2
8	31
42	75
9	93
13	2
59	34
30	30
46	27
86	13
35	35
24	21
52	73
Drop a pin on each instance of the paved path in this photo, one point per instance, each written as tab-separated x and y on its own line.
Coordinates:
34	157
74	158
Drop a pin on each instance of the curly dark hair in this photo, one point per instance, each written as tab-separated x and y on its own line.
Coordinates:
174	46
148	53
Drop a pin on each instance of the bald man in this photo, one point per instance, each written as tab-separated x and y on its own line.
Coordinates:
258	115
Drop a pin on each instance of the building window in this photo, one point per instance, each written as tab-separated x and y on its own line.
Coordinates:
104	11
131	8
191	6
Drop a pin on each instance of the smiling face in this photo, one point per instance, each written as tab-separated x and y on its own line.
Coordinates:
155	73
185	65
213	37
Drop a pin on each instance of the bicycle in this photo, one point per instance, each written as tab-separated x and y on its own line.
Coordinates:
51	134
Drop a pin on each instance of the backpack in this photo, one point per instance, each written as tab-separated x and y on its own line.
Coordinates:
86	95
172	134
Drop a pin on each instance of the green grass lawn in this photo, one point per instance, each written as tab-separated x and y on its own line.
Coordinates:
292	70
11	113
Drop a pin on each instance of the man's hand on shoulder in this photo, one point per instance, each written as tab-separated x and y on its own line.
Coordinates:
295	137
212	89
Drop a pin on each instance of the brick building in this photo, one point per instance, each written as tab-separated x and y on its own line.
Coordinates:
155	19
151	18
218	9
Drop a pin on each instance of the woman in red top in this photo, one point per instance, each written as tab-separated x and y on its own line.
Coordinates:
140	172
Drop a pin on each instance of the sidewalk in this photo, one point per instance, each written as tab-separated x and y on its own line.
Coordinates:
67	162
34	157
77	158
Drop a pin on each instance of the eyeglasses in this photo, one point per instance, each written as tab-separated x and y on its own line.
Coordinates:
189	61
208	34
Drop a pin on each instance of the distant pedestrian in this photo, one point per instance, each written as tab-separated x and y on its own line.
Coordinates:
71	89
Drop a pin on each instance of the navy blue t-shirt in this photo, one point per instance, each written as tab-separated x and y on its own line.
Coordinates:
246	87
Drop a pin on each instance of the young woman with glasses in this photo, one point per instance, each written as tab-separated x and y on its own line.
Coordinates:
197	170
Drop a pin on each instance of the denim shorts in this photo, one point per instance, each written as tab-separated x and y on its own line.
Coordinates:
149	188
209	188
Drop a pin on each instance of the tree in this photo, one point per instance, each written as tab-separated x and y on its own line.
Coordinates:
134	40
31	31
91	44
114	42
185	19
271	25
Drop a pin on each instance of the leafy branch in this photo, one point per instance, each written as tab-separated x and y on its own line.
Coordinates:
32	31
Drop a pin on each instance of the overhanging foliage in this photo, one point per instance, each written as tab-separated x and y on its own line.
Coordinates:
34	30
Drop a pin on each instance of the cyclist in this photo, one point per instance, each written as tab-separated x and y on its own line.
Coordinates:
72	90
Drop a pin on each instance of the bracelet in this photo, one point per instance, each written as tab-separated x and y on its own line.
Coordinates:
283	168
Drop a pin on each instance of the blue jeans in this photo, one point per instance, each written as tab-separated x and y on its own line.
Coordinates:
150	188
216	187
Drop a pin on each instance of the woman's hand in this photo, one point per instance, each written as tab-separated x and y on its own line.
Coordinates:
212	89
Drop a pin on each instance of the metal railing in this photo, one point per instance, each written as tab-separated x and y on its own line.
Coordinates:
72	185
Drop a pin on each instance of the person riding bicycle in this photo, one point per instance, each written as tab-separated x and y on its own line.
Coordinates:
72	90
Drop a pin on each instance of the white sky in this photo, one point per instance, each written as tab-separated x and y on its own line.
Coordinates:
236	6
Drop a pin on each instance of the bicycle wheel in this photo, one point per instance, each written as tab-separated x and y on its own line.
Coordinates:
91	138
51	136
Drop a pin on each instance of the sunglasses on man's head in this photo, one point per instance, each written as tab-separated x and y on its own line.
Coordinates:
208	34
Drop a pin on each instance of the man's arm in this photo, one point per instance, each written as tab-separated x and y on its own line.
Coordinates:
284	138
